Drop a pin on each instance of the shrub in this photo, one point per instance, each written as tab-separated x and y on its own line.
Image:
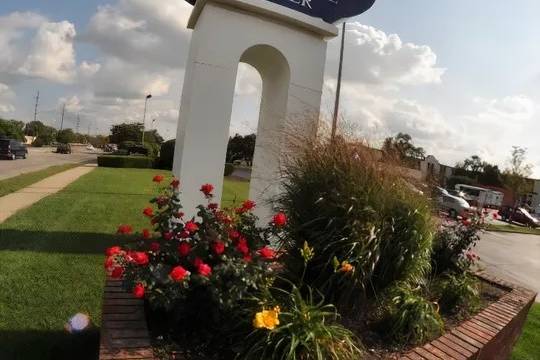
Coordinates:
166	155
458	293
452	247
367	227
411	318
137	162
303	329
198	271
229	169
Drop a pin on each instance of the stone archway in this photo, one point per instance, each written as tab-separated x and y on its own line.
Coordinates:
289	51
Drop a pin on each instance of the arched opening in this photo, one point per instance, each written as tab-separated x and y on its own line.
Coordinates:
274	73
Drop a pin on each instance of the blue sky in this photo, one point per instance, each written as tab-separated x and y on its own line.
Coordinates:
463	77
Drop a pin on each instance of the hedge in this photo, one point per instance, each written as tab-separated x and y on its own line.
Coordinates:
137	162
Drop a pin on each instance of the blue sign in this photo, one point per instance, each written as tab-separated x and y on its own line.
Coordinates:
328	10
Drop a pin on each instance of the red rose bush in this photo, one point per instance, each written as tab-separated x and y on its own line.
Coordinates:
220	255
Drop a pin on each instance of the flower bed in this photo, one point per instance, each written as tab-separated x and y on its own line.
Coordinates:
489	335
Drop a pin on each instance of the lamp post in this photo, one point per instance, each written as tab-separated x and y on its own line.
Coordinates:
149	96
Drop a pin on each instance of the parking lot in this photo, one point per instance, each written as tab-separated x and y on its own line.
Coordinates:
41	158
512	256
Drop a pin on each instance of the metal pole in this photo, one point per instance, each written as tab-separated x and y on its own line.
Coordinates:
36	107
144	116
62	122
338	88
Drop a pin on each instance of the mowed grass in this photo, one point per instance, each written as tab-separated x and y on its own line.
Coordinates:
51	261
528	346
513	229
16	183
234	192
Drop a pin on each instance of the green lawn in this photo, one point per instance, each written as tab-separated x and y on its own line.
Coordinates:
13	184
513	229
234	192
51	262
528	346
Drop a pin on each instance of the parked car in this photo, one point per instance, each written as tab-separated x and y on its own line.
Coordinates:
111	148
63	149
138	150
519	215
455	206
12	149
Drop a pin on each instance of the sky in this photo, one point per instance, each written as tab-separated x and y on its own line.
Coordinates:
461	77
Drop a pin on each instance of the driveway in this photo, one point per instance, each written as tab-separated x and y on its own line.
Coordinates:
513	256
41	158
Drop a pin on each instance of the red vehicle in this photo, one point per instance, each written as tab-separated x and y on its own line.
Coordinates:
518	215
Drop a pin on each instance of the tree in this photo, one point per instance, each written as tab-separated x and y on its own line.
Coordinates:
12	129
401	147
241	148
481	171
65	136
153	136
515	176
126	132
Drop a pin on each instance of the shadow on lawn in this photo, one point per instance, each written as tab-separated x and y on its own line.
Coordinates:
48	345
59	242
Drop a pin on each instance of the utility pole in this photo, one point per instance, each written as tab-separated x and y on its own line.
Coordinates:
78	123
36	107
338	88
62	122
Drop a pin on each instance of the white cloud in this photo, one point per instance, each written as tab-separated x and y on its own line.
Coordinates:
52	55
139	31
6	96
73	103
375	57
88	69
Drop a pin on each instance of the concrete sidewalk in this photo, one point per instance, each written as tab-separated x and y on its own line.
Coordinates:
28	196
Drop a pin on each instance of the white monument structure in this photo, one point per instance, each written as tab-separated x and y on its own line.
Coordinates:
288	48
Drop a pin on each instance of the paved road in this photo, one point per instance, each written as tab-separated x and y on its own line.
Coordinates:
41	158
513	256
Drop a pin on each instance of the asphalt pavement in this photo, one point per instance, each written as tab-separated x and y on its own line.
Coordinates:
515	257
41	158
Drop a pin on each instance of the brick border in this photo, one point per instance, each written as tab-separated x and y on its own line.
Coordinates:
490	335
124	333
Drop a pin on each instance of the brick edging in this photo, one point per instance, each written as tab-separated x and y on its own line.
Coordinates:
124	333
489	335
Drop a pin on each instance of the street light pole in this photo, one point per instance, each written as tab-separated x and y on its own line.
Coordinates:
149	96
338	88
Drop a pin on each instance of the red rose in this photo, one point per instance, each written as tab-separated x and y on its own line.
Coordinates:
117	272
168	235
242	246
191	227
213	206
204	270
154	247
178	273
184	249
114	250
158	178
198	261
267	253
140	258
109	262
467	222
138	291
124	229
148	212
218	247
207	189
280	219
162	200
247	205
175	183
146	234
247	258
183	234
234	234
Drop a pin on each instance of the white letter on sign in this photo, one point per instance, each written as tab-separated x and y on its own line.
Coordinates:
307	3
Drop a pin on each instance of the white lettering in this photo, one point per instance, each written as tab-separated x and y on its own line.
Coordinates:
306	3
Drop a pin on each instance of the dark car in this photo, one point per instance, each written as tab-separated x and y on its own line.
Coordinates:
138	150
519	215
63	149
12	149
